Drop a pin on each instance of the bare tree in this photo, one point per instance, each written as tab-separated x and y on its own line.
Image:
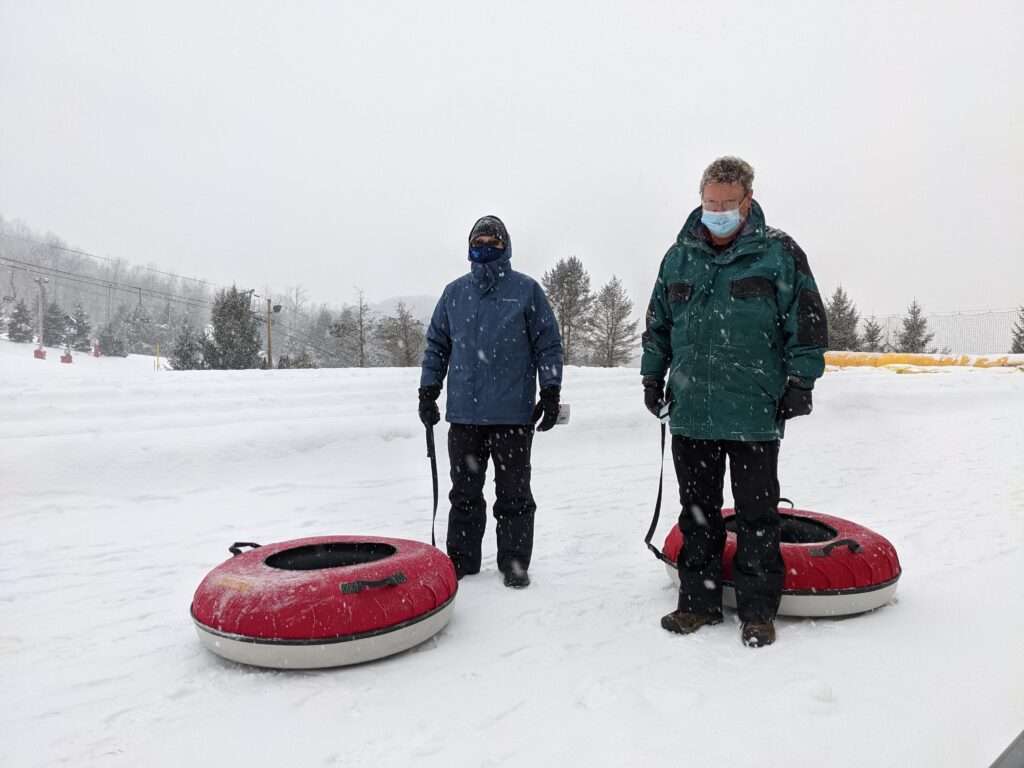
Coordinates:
317	332
613	335
402	337
354	330
568	290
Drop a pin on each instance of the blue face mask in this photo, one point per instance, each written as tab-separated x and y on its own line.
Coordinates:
721	223
485	254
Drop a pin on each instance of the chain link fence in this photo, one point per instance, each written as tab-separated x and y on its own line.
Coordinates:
957	333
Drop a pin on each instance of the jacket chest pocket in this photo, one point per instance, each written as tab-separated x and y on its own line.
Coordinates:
508	320
680	298
753	312
679	293
752	288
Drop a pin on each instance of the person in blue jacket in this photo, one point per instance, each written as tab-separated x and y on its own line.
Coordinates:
493	334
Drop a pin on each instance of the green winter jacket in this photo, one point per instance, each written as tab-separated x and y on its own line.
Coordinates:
730	327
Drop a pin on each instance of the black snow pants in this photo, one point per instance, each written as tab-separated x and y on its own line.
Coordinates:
469	447
758	571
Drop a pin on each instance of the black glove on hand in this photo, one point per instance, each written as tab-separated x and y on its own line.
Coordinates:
796	400
654	395
429	412
547	407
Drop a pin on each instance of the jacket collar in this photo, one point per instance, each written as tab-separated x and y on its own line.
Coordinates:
486	276
752	237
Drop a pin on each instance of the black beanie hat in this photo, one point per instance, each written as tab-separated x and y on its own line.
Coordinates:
490	225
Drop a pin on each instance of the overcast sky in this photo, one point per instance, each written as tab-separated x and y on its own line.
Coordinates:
343	144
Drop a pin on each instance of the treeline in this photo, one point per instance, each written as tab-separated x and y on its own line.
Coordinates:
849	332
355	336
597	327
94	302
87	298
91	302
846	333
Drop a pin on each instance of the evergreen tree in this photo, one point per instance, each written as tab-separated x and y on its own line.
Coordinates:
163	328
80	330
55	326
343	330
915	336
402	337
318	331
613	334
302	360
112	339
872	339
1018	334
20	327
842	322
235	341
187	351
140	331
568	289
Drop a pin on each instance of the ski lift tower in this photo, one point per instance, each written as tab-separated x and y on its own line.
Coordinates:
40	353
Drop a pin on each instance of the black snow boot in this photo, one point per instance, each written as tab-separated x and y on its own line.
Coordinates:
460	571
757	634
516	575
683	623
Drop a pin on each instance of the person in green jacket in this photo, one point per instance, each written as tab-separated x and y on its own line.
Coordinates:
737	325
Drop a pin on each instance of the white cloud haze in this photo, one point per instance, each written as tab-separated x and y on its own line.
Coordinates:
343	144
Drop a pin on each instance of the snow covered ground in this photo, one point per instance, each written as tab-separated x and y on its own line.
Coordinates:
122	486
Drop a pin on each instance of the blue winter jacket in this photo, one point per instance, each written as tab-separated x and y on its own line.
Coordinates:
492	333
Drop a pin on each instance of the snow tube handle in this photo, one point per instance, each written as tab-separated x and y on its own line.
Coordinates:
825	551
236	548
355	587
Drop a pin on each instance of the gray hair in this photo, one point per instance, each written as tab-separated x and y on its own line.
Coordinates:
728	170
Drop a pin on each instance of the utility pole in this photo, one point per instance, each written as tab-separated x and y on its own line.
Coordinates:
40	353
271	311
270	339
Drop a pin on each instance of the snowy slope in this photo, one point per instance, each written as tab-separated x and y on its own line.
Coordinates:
123	486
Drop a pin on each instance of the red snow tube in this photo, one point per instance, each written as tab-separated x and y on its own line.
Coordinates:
834	567
324	601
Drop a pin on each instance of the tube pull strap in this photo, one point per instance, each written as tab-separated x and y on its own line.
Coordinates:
236	548
657	507
432	455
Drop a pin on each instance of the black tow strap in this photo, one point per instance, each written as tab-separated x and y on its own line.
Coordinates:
432	455
657	506
657	514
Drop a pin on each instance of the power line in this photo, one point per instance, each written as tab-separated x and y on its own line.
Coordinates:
80	252
99	282
107	285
